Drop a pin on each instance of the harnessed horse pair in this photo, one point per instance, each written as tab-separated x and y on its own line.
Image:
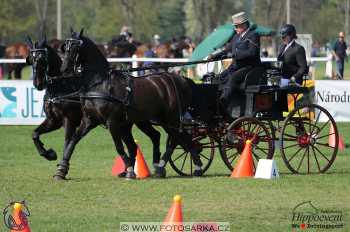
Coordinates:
111	98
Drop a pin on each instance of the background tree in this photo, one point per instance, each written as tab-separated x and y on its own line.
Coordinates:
103	19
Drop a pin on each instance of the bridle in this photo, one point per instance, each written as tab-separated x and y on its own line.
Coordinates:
70	44
38	54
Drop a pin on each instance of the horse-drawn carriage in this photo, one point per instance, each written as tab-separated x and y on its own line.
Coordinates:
260	112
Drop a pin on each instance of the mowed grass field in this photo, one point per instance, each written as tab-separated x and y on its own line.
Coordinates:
93	200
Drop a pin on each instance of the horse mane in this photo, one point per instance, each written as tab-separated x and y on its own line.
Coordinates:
54	61
93	58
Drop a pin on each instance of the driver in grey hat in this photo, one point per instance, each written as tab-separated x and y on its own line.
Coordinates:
245	51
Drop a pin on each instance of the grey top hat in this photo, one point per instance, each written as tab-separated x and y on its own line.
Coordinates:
239	18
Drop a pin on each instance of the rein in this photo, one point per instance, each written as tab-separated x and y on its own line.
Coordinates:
163	66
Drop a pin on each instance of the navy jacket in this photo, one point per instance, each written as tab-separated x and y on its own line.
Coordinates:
294	62
245	50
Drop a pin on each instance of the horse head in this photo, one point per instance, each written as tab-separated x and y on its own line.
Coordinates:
81	54
44	61
71	50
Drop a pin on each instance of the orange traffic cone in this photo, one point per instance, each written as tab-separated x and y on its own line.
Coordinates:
118	166
245	165
173	220
331	139
20	219
141	168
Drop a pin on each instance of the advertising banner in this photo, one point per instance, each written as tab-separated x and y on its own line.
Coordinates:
20	103
334	96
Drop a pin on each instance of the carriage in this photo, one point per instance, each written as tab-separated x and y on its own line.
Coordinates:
272	117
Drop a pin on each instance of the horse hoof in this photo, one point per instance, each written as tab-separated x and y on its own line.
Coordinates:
160	172
230	138
130	175
198	173
50	155
122	175
59	177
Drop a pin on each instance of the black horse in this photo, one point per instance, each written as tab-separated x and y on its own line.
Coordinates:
62	104
115	99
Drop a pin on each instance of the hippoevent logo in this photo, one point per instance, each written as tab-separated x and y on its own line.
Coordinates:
8	102
306	216
16	220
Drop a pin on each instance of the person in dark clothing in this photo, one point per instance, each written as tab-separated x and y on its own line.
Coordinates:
292	55
245	51
339	52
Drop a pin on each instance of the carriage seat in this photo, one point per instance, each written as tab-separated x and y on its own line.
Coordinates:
241	103
256	76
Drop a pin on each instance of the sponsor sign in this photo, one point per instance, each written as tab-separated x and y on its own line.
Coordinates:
20	103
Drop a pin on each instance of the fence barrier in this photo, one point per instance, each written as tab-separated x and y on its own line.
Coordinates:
135	61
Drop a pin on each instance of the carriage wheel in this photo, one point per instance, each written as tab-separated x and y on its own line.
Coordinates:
272	129
181	159
238	133
304	141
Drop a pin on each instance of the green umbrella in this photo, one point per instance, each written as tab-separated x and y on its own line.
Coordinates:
219	37
214	40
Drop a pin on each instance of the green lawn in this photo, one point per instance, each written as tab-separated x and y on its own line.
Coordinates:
93	200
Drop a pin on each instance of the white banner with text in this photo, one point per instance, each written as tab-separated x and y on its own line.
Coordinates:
334	96
22	104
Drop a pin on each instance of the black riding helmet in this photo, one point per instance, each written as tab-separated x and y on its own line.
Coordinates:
288	29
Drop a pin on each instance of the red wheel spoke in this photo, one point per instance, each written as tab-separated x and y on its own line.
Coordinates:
185	152
295	154
324	125
200	154
318	164
232	157
293	145
324	144
234	154
291	136
323	136
260	149
249	127
308	160
316	121
301	161
183	163
324	156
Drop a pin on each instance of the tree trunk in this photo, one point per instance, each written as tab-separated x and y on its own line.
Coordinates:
41	10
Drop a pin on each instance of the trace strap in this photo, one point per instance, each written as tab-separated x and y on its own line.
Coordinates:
167	65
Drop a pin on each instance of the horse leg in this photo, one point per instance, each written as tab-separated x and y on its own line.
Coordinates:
62	168
115	133
132	149
154	135
47	126
160	170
